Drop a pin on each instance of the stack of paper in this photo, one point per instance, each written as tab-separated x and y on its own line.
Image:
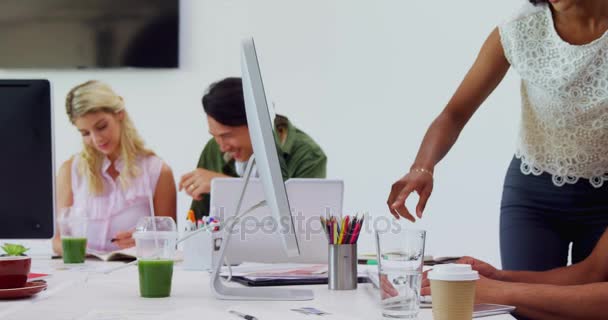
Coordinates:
257	274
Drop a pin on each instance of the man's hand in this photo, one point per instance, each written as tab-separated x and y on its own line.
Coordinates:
198	182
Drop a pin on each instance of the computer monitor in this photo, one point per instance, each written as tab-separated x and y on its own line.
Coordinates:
266	160
26	137
265	147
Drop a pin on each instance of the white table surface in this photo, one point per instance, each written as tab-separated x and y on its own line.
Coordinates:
84	294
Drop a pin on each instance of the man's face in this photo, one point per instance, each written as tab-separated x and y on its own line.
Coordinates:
232	140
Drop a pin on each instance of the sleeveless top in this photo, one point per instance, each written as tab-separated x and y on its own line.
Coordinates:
564	98
116	209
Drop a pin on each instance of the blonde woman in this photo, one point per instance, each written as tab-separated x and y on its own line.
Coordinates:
115	179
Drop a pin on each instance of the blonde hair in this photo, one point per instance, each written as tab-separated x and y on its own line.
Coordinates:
95	96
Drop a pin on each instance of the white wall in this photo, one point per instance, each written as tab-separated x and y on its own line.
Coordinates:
364	78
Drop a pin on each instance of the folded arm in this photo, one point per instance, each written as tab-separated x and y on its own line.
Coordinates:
593	269
542	301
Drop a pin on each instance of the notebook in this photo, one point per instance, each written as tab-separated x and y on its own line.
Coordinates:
272	282
124	255
488	309
37	276
431	260
286	274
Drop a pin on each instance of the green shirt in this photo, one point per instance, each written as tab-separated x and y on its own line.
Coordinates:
300	157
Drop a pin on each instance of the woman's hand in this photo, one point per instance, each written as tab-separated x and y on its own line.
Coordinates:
486	290
486	272
387	290
419	180
124	239
485	269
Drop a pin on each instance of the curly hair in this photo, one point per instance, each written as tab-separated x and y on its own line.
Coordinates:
95	96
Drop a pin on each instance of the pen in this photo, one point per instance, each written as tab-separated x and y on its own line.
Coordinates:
342	229
358	231
242	315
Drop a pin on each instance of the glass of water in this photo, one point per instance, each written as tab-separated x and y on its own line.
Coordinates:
400	261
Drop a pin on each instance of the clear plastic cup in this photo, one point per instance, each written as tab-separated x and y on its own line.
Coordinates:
73	230
400	262
453	291
155	242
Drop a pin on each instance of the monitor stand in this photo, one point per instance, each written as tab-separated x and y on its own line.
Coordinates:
224	292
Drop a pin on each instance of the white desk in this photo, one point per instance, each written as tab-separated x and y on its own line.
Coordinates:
76	295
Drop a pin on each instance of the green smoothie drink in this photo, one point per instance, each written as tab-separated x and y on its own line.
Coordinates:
155	278
155	243
73	230
74	249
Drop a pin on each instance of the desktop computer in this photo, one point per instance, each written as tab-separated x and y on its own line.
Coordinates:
27	194
266	160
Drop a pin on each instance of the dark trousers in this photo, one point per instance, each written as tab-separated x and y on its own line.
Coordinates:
539	221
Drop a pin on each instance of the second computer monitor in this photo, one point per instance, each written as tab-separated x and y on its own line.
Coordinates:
265	147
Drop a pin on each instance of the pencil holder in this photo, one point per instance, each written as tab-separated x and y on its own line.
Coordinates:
342	267
198	252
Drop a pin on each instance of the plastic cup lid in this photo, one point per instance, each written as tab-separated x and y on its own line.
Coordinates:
453	272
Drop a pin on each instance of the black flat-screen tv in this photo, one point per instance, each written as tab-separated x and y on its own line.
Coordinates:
89	33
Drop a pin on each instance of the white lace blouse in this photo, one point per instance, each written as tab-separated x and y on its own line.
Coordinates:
564	94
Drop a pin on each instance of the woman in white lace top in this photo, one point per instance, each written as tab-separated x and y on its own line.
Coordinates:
556	188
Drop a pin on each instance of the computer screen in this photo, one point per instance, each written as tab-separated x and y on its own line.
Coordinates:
26	184
264	145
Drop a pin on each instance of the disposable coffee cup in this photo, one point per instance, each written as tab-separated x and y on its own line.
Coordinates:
453	291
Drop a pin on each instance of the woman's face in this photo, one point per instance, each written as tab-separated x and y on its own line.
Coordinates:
101	130
562	5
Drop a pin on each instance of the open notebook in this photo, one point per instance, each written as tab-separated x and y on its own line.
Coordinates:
479	310
124	255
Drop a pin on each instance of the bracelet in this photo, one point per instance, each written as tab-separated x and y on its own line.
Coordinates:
423	170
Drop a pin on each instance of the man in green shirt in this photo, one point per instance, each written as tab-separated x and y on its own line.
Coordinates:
228	152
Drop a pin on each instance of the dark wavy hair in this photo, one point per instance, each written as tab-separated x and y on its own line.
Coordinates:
535	2
224	102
